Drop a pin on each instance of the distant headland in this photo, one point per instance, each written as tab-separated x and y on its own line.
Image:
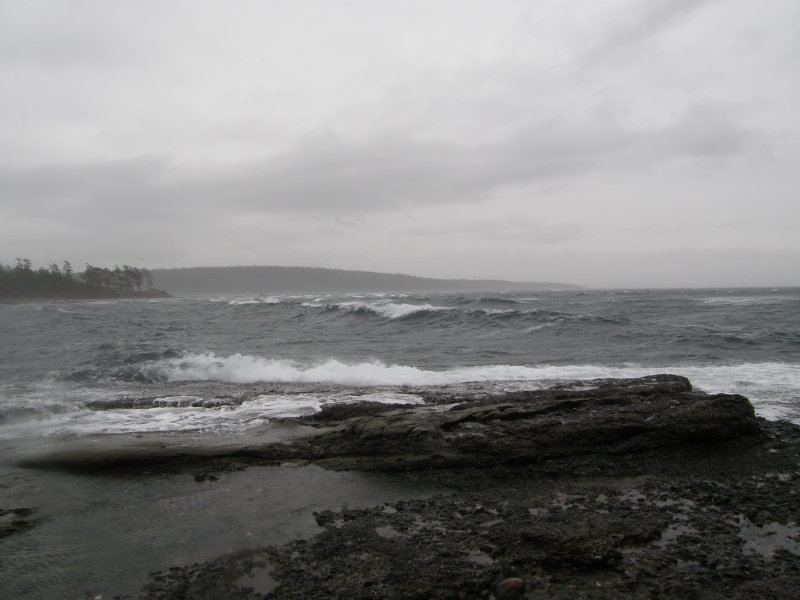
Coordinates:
22	283
272	279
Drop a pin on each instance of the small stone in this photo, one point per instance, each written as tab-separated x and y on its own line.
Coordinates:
510	589
761	518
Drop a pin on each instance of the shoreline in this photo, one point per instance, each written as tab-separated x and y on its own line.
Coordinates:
153	294
626	488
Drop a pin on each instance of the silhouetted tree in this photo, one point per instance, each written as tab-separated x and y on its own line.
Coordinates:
22	281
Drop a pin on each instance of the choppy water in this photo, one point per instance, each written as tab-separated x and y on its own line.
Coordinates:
222	365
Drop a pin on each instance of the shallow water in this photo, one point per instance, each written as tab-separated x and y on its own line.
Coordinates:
101	536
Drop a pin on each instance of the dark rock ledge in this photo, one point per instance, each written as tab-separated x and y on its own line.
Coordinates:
639	489
616	417
594	421
16	520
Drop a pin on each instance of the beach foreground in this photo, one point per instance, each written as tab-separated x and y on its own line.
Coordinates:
638	488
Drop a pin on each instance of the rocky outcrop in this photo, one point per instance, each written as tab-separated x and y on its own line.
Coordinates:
15	520
609	489
610	417
604	421
719	523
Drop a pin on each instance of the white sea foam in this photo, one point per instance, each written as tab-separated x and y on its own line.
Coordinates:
772	386
537	327
242	368
746	300
255	300
390	310
502	311
182	400
395	310
175	413
239	368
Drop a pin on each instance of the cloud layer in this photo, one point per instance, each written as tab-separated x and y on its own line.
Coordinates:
556	141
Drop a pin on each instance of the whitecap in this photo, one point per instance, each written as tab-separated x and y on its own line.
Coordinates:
183	413
255	300
390	310
773	387
533	328
746	300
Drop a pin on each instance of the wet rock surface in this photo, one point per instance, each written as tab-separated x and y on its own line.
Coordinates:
603	418
576	422
640	537
16	520
641	489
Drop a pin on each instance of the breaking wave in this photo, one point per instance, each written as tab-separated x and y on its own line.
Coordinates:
404	311
470	312
242	368
773	387
390	310
266	300
746	300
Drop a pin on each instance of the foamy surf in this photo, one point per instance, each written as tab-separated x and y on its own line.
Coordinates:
773	386
183	413
239	368
245	301
140	366
243	368
394	310
746	300
390	310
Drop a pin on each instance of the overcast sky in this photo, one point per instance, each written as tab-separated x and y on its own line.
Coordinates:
615	143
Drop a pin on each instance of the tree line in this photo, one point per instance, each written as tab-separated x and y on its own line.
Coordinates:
22	280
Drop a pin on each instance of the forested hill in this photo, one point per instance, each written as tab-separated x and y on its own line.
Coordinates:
59	282
259	280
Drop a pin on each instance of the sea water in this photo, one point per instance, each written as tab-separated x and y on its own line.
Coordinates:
221	365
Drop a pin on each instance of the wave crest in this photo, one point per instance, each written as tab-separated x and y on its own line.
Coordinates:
390	310
240	368
243	368
746	300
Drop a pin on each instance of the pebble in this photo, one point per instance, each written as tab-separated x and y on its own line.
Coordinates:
510	589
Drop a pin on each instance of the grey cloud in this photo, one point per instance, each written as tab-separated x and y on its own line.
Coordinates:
331	174
205	132
497	228
76	181
54	35
706	130
637	28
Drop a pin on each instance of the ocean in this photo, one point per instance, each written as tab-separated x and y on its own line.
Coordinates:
218	366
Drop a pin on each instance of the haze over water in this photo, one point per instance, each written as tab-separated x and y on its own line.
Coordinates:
221	365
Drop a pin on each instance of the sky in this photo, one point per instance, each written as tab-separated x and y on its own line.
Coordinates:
623	143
